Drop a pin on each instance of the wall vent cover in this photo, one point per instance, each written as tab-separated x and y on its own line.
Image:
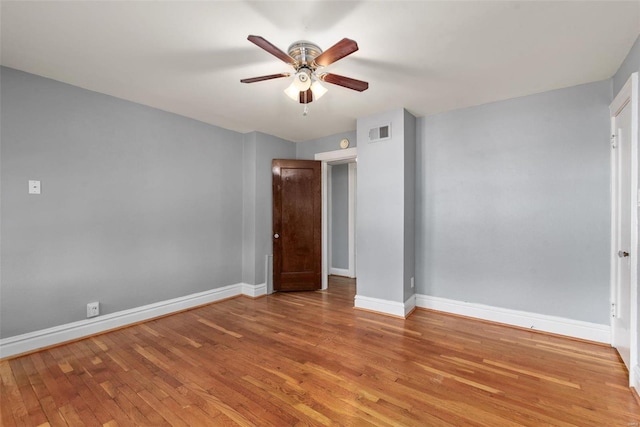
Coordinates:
380	133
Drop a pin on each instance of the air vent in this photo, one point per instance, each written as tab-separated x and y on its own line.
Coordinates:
380	133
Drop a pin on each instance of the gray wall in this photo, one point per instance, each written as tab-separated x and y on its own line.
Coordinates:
409	202
259	150
631	64
307	150
140	205
340	216
137	205
380	209
513	203
249	183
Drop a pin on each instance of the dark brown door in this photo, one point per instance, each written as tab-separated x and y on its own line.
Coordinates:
297	216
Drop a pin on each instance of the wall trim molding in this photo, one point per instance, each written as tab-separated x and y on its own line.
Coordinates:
391	308
337	155
340	271
409	305
635	378
31	341
351	244
19	344
254	291
540	322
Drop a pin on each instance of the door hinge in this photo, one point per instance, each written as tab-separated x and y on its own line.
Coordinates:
613	309
613	141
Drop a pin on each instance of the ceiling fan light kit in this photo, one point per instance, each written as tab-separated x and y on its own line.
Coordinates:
307	58
318	90
302	79
292	91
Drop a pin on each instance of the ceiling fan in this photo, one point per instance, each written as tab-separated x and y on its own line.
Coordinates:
308	59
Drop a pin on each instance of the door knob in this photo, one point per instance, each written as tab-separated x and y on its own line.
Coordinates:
623	254
275	236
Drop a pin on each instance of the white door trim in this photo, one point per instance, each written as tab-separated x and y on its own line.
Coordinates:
326	241
352	220
628	94
350	271
327	157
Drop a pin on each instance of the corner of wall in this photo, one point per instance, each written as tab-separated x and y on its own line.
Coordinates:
248	206
630	64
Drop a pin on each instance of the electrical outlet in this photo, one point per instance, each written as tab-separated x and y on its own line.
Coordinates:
412	283
93	309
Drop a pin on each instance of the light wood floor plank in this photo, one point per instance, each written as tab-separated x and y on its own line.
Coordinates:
311	359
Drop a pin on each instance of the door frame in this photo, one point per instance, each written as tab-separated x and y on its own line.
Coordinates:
350	271
327	157
627	95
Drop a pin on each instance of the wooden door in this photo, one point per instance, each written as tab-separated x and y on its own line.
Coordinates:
297	217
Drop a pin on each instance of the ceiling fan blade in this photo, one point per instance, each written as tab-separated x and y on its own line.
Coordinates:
306	96
272	49
262	78
338	51
347	82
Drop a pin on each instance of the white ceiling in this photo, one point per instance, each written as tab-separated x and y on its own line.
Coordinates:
428	57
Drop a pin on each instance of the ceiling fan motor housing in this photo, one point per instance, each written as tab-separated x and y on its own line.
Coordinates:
305	53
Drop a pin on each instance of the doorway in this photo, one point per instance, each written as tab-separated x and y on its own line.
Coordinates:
341	218
328	158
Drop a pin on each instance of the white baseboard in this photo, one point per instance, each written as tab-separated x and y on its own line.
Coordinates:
340	272
409	305
392	308
31	341
634	379
254	291
556	325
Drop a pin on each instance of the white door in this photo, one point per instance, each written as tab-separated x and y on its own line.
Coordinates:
622	230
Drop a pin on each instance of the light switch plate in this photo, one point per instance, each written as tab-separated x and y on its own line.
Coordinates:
34	187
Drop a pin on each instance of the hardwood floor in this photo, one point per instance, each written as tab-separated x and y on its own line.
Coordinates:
311	359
